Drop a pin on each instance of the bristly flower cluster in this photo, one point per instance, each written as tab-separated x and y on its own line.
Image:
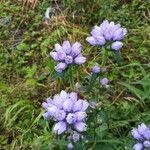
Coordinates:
68	112
142	135
67	54
107	31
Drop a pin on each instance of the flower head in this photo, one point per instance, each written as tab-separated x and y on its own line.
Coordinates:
142	135
67	111
67	54
107	31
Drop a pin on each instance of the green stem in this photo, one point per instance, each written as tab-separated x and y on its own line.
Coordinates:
92	81
105	55
59	83
117	56
71	80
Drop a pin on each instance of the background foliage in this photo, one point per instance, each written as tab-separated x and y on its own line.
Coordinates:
27	76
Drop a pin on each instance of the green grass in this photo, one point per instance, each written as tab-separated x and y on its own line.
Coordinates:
27	75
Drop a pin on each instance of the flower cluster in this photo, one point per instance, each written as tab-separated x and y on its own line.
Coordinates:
67	54
142	135
68	112
107	31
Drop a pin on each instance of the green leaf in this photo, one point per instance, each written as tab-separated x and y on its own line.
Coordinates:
30	71
23	46
117	56
132	89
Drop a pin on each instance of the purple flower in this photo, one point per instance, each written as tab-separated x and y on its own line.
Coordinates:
80	115
138	146
71	118
80	126
70	146
60	115
97	31
61	55
119	34
144	131
52	110
67	54
54	55
80	60
66	47
60	127
73	96
146	144
57	101
75	137
136	134
60	67
67	111
107	31
91	40
63	94
76	49
96	69
142	135
117	45
80	105
104	81
58	48
69	59
67	105
100	40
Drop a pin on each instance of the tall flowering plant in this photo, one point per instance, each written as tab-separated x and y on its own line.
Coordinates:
66	109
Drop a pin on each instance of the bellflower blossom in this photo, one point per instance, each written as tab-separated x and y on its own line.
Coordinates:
70	146
104	81
96	69
142	135
67	54
107	31
68	112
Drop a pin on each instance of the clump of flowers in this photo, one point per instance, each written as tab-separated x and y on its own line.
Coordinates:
142	135
68	112
107	32
67	54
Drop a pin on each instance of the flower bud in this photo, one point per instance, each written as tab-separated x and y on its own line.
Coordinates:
117	45
80	60
96	69
60	67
